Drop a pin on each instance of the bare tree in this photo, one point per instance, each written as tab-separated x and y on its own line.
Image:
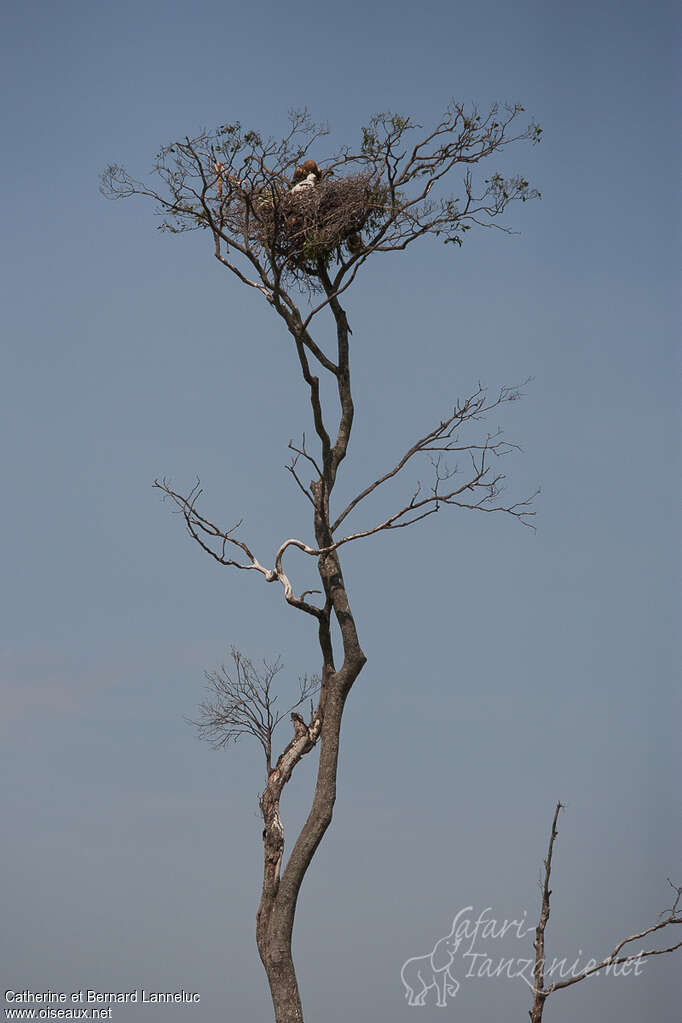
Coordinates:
298	232
618	957
242	702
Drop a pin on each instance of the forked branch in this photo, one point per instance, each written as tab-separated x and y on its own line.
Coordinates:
671	917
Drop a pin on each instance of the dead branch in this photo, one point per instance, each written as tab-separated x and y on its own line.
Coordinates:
669	918
242	702
203	531
479	489
539	942
445	438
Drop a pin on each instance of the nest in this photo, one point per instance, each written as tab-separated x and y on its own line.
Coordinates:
314	222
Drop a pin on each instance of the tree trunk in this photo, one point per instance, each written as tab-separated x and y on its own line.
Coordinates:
284	987
538	1008
275	919
281	886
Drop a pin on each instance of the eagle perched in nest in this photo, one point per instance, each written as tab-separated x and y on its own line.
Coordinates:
315	217
306	175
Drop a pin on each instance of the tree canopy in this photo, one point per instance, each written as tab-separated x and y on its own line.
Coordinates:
378	197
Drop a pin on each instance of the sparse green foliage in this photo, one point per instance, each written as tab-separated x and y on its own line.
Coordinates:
237	185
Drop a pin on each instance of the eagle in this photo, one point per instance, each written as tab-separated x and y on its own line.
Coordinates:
300	727
306	175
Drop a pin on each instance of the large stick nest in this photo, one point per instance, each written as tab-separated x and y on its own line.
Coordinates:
313	222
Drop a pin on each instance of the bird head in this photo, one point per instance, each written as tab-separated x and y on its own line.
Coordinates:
310	167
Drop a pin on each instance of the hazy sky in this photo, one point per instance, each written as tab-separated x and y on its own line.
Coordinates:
505	670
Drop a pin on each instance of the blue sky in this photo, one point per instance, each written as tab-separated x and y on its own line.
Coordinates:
506	670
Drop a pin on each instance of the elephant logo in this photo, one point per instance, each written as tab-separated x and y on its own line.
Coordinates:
421	973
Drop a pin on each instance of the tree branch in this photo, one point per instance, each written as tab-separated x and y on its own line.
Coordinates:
443	437
198	524
241	702
671	917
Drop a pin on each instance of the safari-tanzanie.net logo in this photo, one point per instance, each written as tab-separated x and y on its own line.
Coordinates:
478	947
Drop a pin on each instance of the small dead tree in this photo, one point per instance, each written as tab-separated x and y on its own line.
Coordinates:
298	233
618	957
242	702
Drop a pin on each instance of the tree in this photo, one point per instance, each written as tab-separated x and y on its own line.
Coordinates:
302	247
619	957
